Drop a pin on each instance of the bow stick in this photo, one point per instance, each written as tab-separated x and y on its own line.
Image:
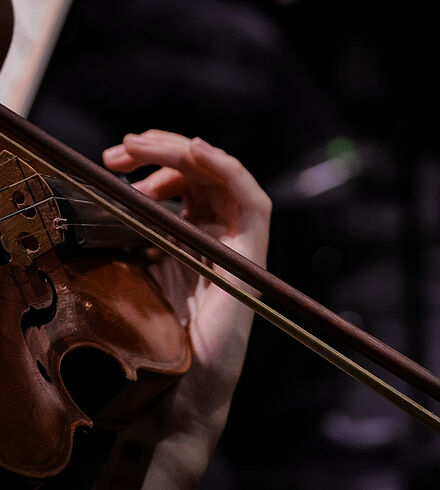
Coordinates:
38	145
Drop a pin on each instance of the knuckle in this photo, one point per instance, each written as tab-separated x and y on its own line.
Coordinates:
264	204
127	139
185	157
152	132
235	166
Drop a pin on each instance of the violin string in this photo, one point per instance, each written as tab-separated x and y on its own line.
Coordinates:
90	225
74	199
57	198
306	338
44	230
14	157
27	208
19	182
39	203
9	160
63	225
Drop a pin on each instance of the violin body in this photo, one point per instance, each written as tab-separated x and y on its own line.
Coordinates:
57	301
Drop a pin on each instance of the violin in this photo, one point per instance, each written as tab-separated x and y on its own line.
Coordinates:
61	303
56	300
36	271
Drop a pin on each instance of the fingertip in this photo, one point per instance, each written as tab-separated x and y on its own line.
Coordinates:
122	163
110	154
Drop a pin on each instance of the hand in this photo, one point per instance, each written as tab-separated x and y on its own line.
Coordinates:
222	198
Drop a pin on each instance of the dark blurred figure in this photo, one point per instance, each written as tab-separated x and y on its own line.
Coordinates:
211	68
297	92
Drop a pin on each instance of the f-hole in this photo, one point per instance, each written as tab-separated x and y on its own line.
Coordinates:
37	317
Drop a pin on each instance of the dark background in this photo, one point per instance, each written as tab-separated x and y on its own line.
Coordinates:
285	87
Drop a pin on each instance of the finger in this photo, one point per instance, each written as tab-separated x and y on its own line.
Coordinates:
156	147
168	151
213	176
210	172
241	185
168	183
146	150
117	159
138	151
165	183
159	135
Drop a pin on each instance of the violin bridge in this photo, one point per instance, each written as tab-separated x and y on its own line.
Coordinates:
29	212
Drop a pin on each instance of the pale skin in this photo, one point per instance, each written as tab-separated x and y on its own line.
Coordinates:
222	198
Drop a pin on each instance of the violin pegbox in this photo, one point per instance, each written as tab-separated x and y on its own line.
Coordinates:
29	213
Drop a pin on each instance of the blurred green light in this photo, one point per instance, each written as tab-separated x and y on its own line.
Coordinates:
338	146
